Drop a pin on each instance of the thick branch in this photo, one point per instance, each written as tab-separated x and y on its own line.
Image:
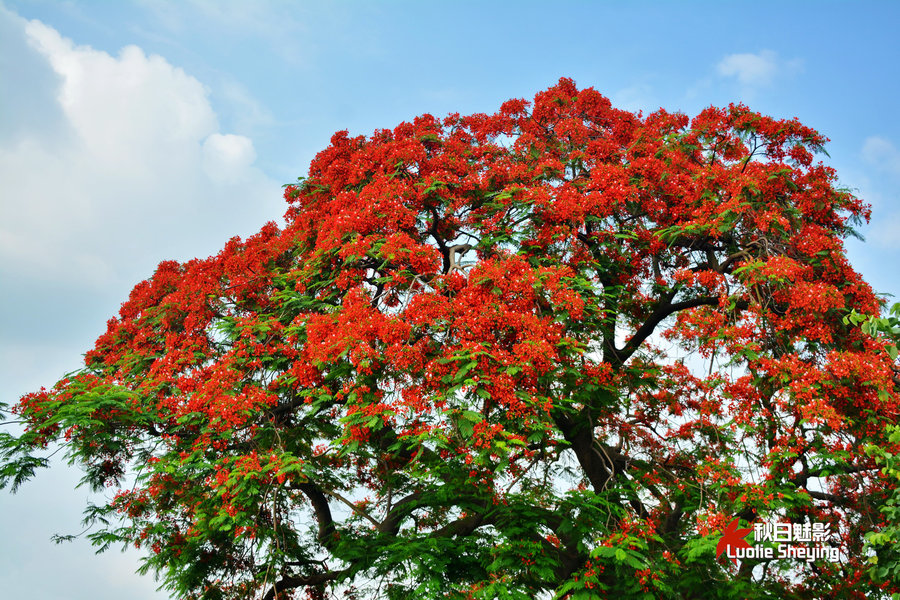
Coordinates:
404	507
461	527
580	436
290	582
664	308
319	501
834	499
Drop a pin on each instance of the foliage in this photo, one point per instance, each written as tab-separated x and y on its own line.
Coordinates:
884	541
549	352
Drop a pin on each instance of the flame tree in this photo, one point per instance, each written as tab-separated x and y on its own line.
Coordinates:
549	352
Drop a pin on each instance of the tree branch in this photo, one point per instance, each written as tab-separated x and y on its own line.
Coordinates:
327	531
664	309
290	582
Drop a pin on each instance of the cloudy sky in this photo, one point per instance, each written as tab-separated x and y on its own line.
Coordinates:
137	131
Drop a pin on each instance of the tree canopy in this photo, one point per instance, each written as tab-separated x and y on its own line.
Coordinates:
550	352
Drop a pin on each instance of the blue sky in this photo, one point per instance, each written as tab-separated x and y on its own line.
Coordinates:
137	131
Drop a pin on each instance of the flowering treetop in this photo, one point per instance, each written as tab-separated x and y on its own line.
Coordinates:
551	351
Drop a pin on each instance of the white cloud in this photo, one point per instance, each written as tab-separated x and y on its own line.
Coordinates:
882	154
635	98
756	70
121	106
227	157
135	170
